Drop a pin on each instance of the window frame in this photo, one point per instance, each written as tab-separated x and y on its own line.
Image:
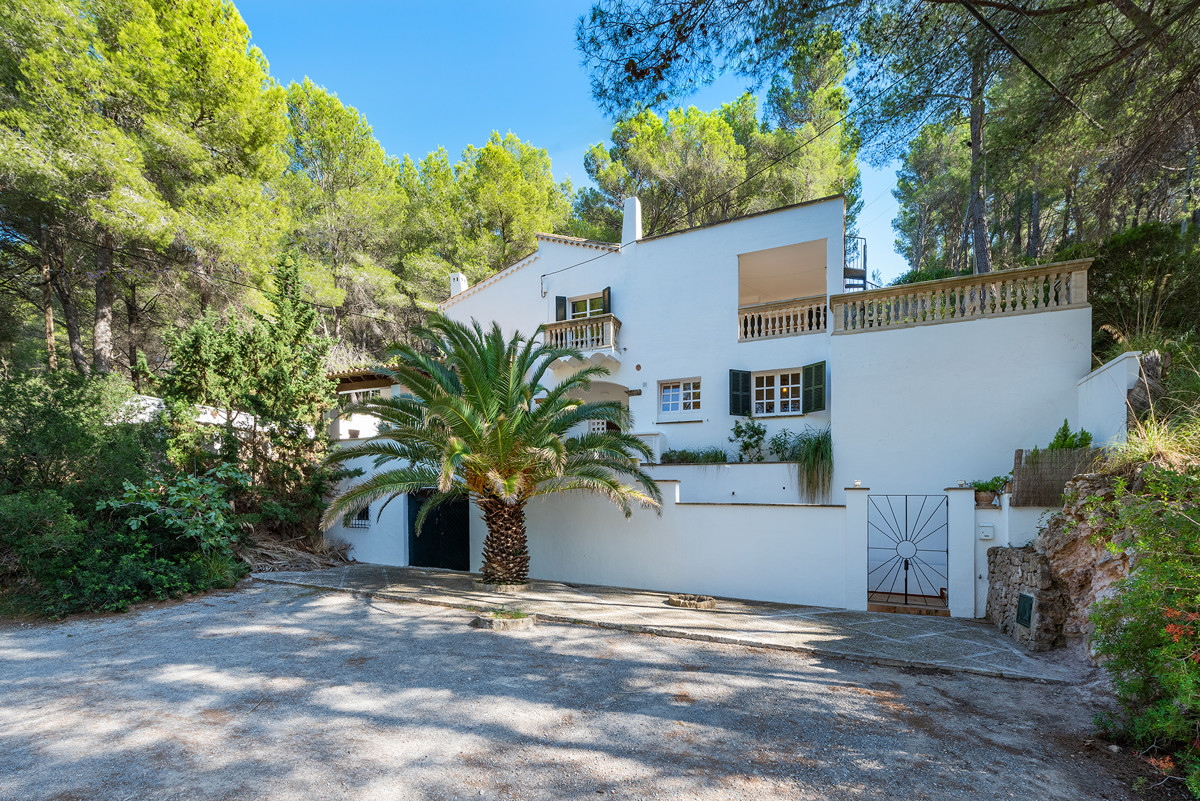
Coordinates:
795	389
694	396
593	296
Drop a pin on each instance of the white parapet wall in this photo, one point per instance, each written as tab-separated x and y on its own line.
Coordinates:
1103	408
789	553
734	482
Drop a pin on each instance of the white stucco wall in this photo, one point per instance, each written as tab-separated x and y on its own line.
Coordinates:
385	541
1102	398
918	409
777	553
763	482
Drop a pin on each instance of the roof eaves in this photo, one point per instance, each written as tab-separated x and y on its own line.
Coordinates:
762	213
491	279
579	242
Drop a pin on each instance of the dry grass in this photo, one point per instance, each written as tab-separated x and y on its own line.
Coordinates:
269	556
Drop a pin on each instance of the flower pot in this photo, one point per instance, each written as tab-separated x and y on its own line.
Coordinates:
985	498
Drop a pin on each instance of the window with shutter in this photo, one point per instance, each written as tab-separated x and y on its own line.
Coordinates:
814	387
739	393
560	308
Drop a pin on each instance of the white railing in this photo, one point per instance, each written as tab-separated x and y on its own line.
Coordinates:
997	294
587	333
787	318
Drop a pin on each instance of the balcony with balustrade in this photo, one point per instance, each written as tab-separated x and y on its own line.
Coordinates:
596	338
1003	293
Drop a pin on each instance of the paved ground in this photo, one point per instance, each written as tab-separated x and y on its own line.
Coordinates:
290	694
888	639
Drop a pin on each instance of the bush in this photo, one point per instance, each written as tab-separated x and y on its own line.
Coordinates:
713	455
163	539
812	453
1148	632
63	432
993	484
749	436
1065	439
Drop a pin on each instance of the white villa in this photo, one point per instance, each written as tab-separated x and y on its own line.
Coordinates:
924	387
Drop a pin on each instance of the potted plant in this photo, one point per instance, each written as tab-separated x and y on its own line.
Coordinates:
986	491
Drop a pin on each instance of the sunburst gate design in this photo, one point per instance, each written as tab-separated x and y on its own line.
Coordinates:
907	553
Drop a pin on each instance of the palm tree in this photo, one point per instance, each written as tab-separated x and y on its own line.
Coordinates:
476	421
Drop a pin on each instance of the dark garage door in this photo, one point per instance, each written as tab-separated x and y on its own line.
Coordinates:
445	540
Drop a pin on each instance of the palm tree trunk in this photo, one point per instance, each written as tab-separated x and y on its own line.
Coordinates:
505	551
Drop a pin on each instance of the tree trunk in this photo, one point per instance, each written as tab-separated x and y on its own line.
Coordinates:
1017	223
47	296
505	551
70	316
102	338
978	213
1035	225
131	314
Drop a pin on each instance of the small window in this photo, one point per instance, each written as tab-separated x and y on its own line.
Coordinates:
679	397
790	391
587	307
361	518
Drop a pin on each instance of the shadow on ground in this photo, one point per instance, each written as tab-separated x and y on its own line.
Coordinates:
278	692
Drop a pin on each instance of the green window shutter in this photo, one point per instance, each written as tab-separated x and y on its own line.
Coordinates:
739	393
560	308
606	303
814	388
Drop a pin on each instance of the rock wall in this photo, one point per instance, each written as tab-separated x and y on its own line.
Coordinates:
1016	571
1066	569
1073	542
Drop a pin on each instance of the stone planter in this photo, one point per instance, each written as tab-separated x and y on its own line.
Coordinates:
985	498
692	601
505	588
486	621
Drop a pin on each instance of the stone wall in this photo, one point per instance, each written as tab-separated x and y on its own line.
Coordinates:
1074	542
1016	571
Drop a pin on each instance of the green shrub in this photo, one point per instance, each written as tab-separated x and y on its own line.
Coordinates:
713	455
1065	439
68	433
1148	632
163	539
749	436
193	507
812	452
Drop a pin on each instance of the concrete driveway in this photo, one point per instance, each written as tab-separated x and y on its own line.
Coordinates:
283	692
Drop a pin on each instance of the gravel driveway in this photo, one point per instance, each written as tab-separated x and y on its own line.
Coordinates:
277	692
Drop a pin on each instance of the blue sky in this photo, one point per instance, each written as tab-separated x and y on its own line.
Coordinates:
449	73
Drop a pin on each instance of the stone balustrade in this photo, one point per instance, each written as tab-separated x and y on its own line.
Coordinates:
782	319
997	294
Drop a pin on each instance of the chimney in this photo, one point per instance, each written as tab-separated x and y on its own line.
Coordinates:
458	284
631	225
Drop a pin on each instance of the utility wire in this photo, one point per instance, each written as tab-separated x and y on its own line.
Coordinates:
1020	57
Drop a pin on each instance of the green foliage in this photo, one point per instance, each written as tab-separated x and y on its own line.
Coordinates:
993	484
713	455
811	451
1148	632
54	562
189	506
1065	439
469	425
1144	282
267	380
694	167
69	433
748	435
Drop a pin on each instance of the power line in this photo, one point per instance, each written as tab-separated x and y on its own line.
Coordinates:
1020	57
